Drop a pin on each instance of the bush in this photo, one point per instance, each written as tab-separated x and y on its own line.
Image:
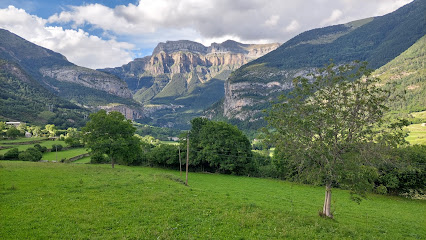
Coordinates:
31	154
40	148
98	158
13	133
381	189
56	147
407	174
164	155
11	154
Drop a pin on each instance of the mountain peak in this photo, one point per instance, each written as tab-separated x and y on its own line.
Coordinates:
180	45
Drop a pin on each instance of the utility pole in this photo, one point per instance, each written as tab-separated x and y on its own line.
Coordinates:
187	157
180	163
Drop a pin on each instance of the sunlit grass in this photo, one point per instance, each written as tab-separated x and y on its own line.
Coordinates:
417	134
86	201
64	154
47	144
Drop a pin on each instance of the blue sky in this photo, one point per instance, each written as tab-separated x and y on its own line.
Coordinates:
110	33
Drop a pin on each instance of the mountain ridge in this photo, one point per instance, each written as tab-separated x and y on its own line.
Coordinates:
251	88
183	77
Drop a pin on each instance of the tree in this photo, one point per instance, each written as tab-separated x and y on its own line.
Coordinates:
22	128
73	138
2	126
36	131
219	146
327	128
51	129
111	134
12	132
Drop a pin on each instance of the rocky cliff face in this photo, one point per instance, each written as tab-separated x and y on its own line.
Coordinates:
82	86
182	57
88	78
377	40
185	74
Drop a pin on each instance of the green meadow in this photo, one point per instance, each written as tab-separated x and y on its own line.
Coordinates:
417	134
86	201
23	147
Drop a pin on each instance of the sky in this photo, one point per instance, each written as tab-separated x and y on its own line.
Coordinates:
110	33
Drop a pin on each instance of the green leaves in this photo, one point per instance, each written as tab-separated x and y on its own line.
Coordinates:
113	135
326	119
219	146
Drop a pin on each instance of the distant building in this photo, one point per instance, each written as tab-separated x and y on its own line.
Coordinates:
175	139
15	124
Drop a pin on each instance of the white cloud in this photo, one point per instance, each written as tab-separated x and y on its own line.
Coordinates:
148	22
293	26
249	20
77	45
333	18
272	21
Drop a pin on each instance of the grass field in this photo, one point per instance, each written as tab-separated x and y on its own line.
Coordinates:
64	154
86	201
47	144
23	140
83	160
417	134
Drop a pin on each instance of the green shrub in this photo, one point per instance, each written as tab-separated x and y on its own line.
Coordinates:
13	133
381	189
40	148
31	154
56	147
98	158
11	154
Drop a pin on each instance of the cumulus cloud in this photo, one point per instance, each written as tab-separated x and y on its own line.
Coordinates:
147	22
249	20
334	18
77	45
293	26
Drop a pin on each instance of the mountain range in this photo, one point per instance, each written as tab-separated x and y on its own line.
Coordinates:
181	78
235	82
378	40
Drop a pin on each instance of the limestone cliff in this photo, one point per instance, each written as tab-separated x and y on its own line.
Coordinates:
88	78
378	40
186	74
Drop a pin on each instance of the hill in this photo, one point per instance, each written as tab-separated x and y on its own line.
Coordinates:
182	78
407	74
82	86
377	40
79	201
24	99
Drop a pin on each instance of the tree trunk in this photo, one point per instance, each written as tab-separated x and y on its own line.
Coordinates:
327	202
112	162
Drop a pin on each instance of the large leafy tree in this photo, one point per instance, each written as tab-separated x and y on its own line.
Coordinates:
328	129
112	135
218	146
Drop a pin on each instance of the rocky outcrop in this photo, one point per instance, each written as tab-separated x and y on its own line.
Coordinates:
88	78
183	57
129	112
182	78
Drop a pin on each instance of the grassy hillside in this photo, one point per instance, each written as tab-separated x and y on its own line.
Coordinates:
407	74
377	41
80	201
